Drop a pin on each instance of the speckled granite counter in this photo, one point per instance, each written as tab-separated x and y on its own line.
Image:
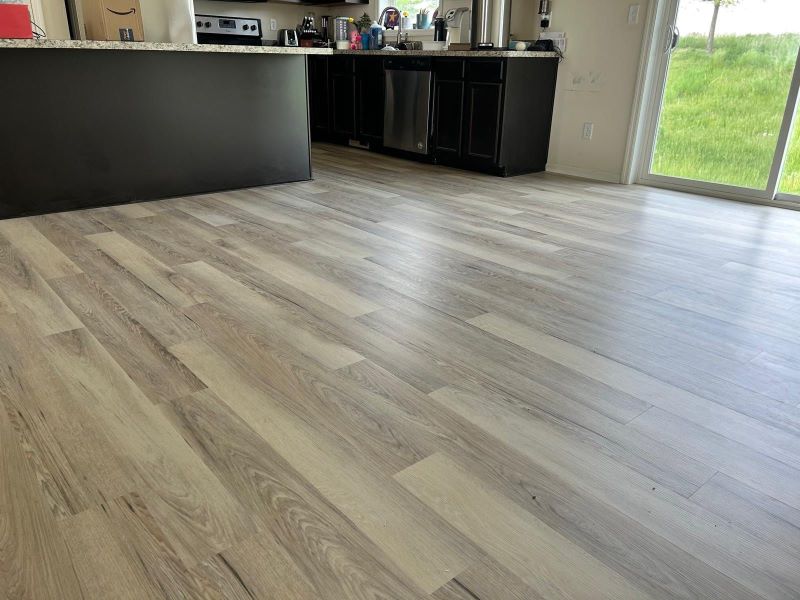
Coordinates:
457	53
170	47
157	46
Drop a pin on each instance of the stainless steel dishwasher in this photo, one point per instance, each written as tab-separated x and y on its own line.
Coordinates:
406	114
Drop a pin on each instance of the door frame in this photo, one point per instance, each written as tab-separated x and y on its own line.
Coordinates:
784	137
651	84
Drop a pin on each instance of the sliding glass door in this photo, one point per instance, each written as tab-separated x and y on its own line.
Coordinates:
725	95
790	177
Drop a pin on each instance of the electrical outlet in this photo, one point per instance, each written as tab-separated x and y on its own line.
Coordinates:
588	131
273	25
633	14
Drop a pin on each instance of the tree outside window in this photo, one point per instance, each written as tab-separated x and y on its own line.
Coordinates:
712	31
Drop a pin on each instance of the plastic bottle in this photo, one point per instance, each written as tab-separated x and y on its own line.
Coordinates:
376	36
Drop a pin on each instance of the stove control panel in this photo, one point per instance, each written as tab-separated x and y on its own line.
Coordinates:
227	25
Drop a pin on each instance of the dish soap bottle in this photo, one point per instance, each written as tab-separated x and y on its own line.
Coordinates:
376	36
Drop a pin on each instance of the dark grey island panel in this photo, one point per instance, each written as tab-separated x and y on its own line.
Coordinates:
84	128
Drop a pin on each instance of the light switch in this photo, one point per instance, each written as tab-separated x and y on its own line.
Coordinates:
633	14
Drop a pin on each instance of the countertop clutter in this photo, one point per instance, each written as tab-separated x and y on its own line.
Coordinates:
455	53
175	47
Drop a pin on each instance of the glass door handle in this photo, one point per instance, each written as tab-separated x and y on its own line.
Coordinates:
673	37
676	37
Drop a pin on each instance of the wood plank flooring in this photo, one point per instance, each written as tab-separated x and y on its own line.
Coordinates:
402	381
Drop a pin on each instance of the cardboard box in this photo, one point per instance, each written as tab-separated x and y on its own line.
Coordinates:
15	22
113	20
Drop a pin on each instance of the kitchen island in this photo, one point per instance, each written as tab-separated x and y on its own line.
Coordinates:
89	123
98	123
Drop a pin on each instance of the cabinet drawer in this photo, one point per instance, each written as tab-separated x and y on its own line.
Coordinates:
488	70
341	65
449	68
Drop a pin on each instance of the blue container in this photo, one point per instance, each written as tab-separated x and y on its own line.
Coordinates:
365	37
376	35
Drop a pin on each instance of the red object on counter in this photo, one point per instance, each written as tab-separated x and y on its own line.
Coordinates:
15	22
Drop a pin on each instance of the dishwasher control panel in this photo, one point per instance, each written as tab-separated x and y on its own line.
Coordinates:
408	63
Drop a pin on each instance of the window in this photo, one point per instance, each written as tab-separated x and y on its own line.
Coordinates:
413	7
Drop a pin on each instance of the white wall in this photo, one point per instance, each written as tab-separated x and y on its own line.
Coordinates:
596	84
50	15
55	16
524	19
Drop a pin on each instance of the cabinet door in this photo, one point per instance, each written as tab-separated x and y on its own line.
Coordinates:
319	102
448	99
484	109
343	104
342	96
370	84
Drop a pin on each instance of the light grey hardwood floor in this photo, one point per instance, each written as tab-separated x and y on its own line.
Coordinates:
402	381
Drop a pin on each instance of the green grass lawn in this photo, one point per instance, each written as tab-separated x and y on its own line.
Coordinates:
722	111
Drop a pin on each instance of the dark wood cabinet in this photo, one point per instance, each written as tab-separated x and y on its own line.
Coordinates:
484	112
347	99
488	114
342	105
319	96
505	107
370	82
342	97
448	108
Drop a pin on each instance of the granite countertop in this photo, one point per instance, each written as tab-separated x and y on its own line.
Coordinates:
174	47
460	53
157	46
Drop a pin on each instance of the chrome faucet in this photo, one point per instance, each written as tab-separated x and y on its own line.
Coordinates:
385	10
399	22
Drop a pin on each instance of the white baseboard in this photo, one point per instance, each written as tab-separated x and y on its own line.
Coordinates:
594	174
